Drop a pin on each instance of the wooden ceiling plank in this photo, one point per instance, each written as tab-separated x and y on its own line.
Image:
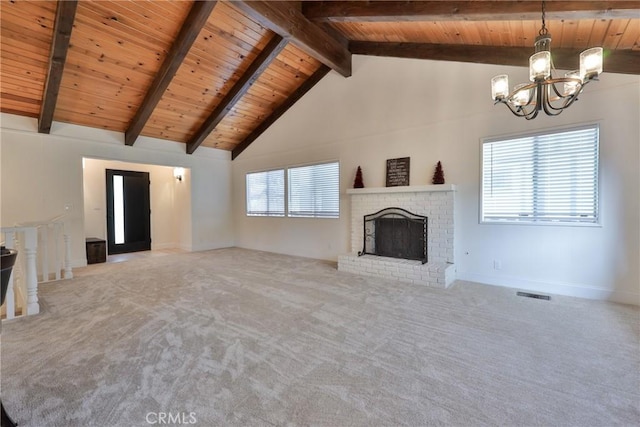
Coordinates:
21	86
217	70
26	68
18	40
21	111
20	98
132	81
288	103
103	104
294	65
65	15
598	33
584	30
616	29
630	38
222	52
124	27
191	27
37	22
110	43
286	19
90	120
241	21
257	67
616	61
568	36
234	21
234	40
409	11
8	51
150	17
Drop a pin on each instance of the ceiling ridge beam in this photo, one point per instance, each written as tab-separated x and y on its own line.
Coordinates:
615	61
65	15
286	18
282	108
193	24
387	11
257	67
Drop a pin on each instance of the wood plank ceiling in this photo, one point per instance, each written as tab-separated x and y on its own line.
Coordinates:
218	74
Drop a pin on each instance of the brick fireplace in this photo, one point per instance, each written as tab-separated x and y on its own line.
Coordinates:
436	202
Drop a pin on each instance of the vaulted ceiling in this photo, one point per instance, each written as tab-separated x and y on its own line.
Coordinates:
218	74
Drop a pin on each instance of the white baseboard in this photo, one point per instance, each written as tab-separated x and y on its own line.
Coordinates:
210	246
77	263
160	246
571	290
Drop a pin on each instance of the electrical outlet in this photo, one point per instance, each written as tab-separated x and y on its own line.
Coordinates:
497	264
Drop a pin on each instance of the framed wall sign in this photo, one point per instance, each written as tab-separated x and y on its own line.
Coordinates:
398	172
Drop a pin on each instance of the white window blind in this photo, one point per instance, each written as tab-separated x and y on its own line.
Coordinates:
314	191
265	193
543	178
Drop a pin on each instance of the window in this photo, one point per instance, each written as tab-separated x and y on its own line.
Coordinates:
314	191
265	193
544	178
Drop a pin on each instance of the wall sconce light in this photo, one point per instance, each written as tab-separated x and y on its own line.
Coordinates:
178	173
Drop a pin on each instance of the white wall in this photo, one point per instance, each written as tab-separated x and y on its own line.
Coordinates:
168	211
41	174
432	111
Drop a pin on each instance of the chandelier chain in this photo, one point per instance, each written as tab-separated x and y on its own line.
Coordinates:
543	31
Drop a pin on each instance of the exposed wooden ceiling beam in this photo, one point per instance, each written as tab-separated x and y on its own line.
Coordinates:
288	103
286	18
257	67
386	11
65	15
191	27
617	61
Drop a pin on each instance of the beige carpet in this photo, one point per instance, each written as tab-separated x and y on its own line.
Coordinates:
238	337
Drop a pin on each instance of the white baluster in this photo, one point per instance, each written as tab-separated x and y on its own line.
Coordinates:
31	250
10	299
44	251
56	253
68	273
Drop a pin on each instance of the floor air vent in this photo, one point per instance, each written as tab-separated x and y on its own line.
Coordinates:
536	296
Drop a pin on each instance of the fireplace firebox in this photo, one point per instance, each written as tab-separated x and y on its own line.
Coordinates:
395	233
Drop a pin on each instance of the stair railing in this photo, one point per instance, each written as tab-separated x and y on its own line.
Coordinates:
44	241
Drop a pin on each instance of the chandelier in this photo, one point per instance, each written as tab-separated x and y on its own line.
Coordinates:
545	92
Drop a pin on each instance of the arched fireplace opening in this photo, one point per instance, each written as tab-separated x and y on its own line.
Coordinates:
395	233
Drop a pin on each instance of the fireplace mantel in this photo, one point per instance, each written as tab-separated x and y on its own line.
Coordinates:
403	189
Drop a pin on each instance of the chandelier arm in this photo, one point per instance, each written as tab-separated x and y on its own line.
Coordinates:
531	117
577	82
555	90
568	99
519	111
567	102
550	111
548	108
531	114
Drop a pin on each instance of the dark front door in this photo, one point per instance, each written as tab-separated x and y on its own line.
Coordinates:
128	211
